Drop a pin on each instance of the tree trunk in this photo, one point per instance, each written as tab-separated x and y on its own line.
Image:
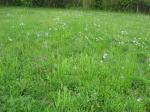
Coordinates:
87	4
137	8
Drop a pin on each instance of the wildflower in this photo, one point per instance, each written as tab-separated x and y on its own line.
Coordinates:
86	29
101	61
46	44
10	39
46	34
98	26
28	33
139	99
148	59
124	32
122	68
80	33
105	55
87	37
49	29
56	23
7	14
95	24
57	18
38	35
64	24
135	41
21	24
122	77
75	67
13	26
97	39
56	29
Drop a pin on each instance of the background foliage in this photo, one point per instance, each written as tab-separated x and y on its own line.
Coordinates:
135	5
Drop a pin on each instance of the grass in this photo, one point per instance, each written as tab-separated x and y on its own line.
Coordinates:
54	60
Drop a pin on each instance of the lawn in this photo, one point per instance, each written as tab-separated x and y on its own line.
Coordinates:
57	60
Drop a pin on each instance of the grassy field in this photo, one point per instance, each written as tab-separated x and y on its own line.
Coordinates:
54	60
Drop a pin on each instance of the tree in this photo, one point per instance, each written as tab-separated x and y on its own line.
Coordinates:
87	4
109	4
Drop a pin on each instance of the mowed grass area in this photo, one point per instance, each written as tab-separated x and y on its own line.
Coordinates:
54	60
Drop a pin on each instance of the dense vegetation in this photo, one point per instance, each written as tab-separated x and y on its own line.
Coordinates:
136	5
54	60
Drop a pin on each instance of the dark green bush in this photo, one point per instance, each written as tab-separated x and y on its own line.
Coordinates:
26	2
38	2
17	2
98	4
135	5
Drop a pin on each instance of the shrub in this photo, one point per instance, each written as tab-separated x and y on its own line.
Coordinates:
136	5
26	2
17	2
98	4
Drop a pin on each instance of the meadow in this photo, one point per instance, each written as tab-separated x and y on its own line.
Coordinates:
59	60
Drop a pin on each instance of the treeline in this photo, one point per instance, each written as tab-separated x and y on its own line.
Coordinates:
48	3
135	5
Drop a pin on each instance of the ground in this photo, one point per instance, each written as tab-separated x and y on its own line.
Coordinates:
59	60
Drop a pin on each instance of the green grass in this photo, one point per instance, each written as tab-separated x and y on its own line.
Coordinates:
54	60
